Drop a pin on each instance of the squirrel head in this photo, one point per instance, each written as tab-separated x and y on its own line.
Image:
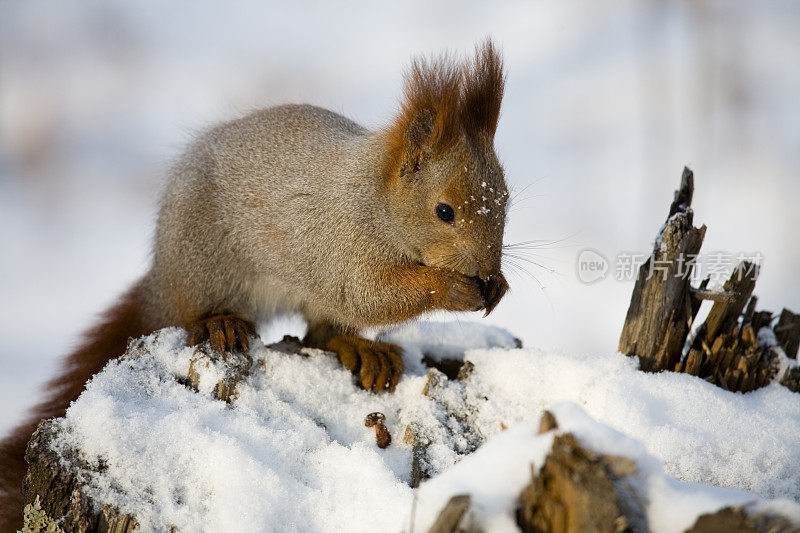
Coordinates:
446	188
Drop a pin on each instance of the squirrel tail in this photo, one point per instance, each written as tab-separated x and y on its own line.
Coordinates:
105	341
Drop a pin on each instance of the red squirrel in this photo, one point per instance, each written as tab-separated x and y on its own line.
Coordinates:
297	209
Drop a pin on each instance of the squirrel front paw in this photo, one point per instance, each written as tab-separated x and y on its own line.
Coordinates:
460	293
226	332
377	365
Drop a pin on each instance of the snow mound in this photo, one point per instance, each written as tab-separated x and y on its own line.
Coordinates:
493	478
291	452
448	339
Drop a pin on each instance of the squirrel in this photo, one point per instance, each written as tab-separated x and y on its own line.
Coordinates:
297	209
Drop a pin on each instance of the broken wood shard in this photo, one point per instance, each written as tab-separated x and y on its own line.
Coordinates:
577	490
730	519
787	332
726	351
660	311
450	517
791	379
724	314
547	422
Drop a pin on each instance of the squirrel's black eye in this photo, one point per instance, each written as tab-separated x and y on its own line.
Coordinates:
445	212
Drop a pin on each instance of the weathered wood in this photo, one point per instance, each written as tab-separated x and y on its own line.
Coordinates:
54	496
450	517
547	422
453	367
761	319
577	490
749	311
791	379
682	201
737	519
725	350
787	331
714	296
724	314
448	366
235	366
289	344
661	310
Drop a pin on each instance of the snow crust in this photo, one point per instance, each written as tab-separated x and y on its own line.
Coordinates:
291	453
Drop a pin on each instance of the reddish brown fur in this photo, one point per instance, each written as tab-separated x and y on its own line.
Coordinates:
483	92
106	340
443	100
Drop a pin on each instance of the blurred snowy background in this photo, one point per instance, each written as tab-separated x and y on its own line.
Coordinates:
606	101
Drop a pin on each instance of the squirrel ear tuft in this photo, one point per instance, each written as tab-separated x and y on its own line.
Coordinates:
428	119
484	82
442	100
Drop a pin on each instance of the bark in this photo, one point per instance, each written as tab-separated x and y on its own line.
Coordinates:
787	331
450	517
55	498
730	519
577	490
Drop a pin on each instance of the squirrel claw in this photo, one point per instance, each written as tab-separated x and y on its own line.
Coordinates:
377	365
225	332
493	291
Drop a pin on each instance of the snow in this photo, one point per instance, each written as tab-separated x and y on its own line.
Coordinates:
291	453
443	340
493	476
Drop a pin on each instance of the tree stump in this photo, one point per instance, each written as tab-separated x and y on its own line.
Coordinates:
726	350
54	488
578	490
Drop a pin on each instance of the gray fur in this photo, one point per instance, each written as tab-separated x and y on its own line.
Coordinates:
284	211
